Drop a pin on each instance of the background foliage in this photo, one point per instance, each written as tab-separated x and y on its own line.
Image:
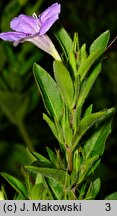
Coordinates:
21	107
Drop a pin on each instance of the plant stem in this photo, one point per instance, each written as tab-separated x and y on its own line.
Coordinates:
70	160
25	136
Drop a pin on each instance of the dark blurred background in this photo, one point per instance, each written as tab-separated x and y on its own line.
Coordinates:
21	106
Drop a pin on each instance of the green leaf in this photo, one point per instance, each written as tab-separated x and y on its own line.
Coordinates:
101	42
64	40
86	167
55	188
66	127
40	158
39	189
49	91
36	192
28	183
112	196
56	174
64	82
52	156
51	125
16	184
76	161
88	111
88	62
88	84
96	143
83	53
85	124
39	163
77	87
74	56
82	191
93	190
55	127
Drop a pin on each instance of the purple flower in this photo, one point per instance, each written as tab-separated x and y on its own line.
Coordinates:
33	29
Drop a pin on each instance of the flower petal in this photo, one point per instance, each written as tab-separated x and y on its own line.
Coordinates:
48	17
45	44
12	36
26	24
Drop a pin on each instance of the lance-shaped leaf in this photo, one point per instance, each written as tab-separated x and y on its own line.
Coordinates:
16	184
52	157
86	167
96	143
88	84
49	91
88	62
56	174
88	110
93	190
34	156
66	127
64	39
55	188
73	57
64	82
100	42
85	124
83	53
55	127
96	50
82	191
51	125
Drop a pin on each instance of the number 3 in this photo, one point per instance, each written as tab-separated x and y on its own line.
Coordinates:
108	207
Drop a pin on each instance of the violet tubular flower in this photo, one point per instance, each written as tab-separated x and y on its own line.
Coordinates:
34	29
